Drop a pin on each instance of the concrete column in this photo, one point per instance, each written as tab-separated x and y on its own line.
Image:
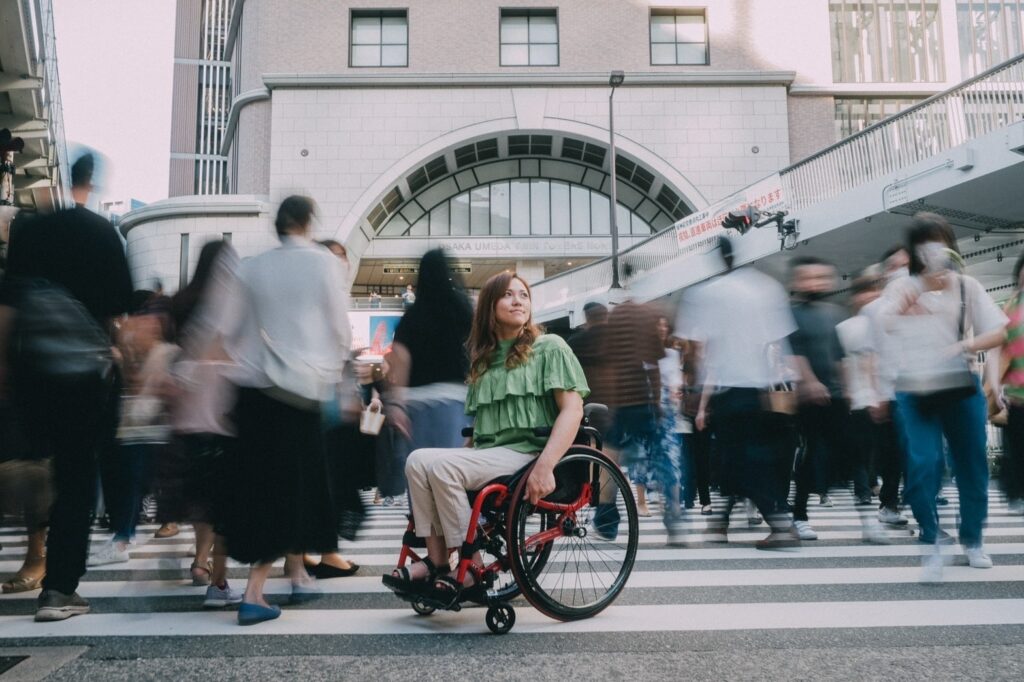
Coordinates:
530	270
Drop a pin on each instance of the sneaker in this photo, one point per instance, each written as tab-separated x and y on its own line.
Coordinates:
977	558
753	518
1015	506
216	598
717	533
941	501
54	605
863	500
109	553
891	517
676	534
943	538
825	501
804	530
874	534
389	501
780	539
931	568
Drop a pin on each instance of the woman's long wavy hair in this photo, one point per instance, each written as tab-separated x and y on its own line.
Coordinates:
483	340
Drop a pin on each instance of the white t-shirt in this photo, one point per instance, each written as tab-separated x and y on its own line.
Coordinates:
738	316
671	370
923	334
858	340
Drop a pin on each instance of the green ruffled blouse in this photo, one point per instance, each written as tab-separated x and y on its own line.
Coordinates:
510	403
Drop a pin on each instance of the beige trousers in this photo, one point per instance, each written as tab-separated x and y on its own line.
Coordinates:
439	478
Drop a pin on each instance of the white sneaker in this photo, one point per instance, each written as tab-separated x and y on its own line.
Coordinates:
753	518
891	517
804	530
874	533
825	501
977	558
1015	507
931	568
109	553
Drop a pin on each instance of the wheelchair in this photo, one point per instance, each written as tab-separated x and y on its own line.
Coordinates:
569	555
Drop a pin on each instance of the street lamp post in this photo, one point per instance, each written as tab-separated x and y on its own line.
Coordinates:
615	80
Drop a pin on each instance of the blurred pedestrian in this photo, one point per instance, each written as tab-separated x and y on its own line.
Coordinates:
1006	377
67	278
942	319
291	345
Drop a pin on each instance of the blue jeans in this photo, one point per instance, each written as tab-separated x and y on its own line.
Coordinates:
963	424
137	464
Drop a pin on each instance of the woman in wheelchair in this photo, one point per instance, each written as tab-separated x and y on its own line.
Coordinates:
519	380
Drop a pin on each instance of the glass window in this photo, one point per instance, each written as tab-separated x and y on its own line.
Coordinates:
580	210
990	32
560	217
480	211
460	215
886	41
599	214
529	37
380	38
855	114
499	208
421	228
679	36
520	207
540	207
622	221
440	220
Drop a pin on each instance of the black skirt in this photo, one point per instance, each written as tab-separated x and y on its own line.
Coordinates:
281	501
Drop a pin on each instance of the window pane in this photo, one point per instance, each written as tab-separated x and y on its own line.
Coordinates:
580	210
394	30
664	53
599	213
515	55
480	211
439	220
543	55
543	30
460	215
559	208
520	207
691	54
622	219
365	30
420	227
663	29
365	55
690	29
540	207
515	30
499	208
394	55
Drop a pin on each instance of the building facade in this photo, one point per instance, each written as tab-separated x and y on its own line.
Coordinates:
483	126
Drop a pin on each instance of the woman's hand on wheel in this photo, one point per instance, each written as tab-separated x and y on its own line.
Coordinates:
540	484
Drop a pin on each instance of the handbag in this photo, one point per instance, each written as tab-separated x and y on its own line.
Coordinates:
962	384
781	399
371	421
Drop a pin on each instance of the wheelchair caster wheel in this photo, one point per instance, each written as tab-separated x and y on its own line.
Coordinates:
500	618
422	609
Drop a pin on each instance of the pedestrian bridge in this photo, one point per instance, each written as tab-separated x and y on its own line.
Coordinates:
959	154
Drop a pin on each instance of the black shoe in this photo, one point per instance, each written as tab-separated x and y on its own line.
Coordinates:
324	571
941	501
606	520
54	605
863	500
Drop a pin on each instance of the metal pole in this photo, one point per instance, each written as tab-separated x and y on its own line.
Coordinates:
611	210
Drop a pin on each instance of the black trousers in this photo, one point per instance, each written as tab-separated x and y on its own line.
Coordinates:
1012	470
747	455
825	429
698	448
876	449
64	418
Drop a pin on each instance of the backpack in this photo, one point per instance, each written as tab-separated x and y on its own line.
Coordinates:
56	337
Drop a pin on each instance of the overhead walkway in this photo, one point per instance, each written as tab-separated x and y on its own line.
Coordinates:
959	154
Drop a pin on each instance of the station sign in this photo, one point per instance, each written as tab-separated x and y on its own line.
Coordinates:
698	232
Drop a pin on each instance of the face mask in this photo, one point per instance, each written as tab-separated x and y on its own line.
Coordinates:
934	257
814	295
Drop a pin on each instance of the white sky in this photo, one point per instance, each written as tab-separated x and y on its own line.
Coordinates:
116	60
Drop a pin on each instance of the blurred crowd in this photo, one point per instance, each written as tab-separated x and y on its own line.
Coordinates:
238	406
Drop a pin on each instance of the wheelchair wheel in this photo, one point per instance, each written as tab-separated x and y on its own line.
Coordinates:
422	609
500	618
588	538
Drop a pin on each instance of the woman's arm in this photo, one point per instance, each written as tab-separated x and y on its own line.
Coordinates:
570	414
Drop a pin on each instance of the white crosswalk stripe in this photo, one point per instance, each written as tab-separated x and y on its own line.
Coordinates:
838	581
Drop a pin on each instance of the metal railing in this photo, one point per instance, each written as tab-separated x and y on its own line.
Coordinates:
54	106
989	101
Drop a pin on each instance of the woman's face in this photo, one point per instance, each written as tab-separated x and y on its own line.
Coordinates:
512	310
662	329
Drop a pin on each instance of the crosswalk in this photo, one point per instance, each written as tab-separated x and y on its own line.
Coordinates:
837	581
